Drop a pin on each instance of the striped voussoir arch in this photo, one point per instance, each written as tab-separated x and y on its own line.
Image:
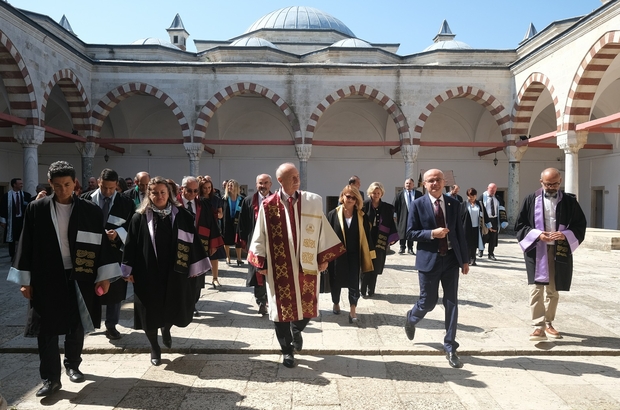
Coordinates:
527	97
17	82
75	95
367	92
483	98
588	76
120	93
208	110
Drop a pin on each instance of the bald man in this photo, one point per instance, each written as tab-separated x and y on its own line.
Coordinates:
141	183
550	227
493	208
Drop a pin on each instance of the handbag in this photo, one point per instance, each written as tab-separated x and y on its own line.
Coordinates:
324	286
483	228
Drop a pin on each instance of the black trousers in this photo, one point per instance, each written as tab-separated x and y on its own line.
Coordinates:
285	331
369	282
49	353
260	294
409	243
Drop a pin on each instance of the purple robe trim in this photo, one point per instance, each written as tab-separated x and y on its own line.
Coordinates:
570	238
199	267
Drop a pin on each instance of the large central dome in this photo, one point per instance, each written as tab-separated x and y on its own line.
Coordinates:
300	18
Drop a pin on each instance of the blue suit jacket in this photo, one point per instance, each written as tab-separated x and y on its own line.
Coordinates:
422	222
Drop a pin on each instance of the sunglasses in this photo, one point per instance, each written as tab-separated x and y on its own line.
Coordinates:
349	197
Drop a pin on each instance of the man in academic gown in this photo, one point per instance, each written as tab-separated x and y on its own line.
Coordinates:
247	220
495	218
12	207
550	227
402	205
117	211
141	184
63	260
292	243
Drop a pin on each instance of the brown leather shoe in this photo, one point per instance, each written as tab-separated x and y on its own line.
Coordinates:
538	335
552	333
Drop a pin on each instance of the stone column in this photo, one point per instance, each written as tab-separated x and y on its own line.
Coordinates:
410	154
571	142
513	207
30	136
194	152
88	150
303	153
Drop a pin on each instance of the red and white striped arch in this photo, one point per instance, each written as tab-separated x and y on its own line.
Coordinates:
17	82
111	99
589	74
75	95
527	97
367	92
488	101
208	110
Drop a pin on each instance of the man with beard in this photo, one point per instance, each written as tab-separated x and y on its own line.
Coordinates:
550	227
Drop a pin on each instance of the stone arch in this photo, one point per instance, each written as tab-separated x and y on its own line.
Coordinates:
588	76
120	93
367	92
526	100
488	101
76	97
208	110
18	83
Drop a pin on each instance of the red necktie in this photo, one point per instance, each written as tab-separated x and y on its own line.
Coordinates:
441	223
291	214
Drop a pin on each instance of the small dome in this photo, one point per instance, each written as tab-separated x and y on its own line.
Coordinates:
352	43
153	41
252	42
448	45
300	18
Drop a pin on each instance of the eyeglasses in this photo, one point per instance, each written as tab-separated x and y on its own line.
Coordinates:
434	181
350	197
551	185
191	191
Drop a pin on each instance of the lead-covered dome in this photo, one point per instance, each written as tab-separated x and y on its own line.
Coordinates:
153	41
300	18
352	43
252	42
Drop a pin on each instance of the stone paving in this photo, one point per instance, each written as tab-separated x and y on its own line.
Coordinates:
229	358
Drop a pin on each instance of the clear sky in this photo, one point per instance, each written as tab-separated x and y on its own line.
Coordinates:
489	24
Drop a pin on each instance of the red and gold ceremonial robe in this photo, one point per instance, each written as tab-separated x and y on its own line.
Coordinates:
292	265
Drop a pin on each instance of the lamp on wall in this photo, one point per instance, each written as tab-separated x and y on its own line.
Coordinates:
106	157
495	161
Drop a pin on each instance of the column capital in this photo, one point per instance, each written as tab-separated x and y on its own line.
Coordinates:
571	141
194	150
87	149
29	135
515	153
410	152
304	151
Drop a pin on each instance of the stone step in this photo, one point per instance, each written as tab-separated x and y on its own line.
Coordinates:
602	239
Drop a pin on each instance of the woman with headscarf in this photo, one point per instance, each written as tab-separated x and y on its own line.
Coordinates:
163	256
383	233
231	206
353	229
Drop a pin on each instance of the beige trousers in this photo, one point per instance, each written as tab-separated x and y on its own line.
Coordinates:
544	298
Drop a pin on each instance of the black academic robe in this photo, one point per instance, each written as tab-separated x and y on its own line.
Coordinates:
121	211
569	216
39	254
245	229
402	212
165	290
12	219
471	233
383	231
229	222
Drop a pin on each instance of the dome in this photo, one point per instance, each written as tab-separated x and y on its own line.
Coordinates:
252	42
352	43
448	45
153	41
300	18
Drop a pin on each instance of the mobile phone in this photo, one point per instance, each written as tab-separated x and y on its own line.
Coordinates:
48	190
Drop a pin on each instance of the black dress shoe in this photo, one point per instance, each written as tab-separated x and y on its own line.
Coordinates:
402	251
112	334
409	328
196	313
492	257
289	361
480	253
298	342
473	264
75	375
156	356
411	252
166	337
454	360
49	388
262	309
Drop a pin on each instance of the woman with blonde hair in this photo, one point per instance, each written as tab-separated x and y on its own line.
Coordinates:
353	229
231	206
163	257
383	233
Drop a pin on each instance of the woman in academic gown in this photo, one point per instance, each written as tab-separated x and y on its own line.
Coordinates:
353	229
383	233
163	256
207	192
471	211
231	206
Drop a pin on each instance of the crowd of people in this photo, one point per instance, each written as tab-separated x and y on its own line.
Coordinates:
163	238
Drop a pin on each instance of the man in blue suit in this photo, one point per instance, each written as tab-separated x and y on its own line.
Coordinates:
435	224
